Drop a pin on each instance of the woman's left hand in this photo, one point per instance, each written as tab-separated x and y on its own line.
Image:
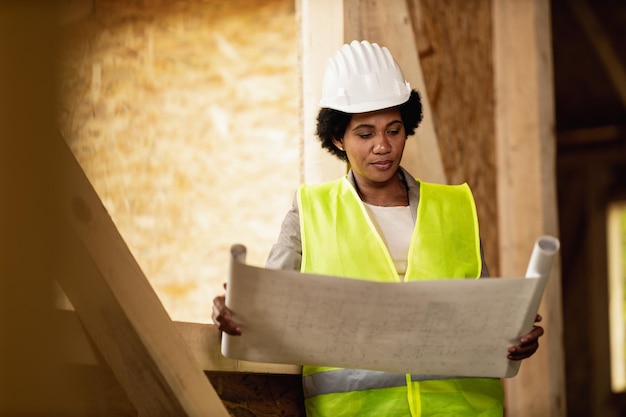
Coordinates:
528	345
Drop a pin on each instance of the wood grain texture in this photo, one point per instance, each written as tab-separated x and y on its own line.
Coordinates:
445	51
117	306
526	156
390	24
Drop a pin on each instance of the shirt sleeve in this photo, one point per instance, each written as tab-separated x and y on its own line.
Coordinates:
286	253
484	272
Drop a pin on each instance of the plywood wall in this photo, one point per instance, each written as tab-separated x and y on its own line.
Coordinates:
184	116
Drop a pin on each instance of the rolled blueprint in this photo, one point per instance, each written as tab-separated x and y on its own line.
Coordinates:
544	251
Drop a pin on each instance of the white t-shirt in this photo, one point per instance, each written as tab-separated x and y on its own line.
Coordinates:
395	225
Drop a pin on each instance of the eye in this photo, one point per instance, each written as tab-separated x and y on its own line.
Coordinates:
393	132
364	134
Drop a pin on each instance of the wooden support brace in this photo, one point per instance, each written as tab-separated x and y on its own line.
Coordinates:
203	341
254	389
390	24
118	307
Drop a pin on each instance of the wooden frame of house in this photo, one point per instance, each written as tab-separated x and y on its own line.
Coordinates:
152	366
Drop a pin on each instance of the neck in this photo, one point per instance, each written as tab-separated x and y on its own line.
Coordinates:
392	194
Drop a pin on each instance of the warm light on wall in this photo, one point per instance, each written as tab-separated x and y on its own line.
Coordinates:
184	117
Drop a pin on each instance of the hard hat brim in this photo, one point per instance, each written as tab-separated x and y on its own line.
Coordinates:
366	106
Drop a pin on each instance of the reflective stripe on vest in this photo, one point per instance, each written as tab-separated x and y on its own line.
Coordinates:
346	380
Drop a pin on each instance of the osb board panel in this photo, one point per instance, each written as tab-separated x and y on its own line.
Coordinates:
454	39
184	116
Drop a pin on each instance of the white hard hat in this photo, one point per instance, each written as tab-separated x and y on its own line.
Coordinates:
363	77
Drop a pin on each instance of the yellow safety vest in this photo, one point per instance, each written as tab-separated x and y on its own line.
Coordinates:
339	238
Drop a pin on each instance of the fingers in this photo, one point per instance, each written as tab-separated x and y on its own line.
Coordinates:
222	317
529	343
535	333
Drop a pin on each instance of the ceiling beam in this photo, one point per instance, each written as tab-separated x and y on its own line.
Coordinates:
590	135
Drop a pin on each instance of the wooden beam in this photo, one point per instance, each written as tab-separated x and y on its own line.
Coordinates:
390	24
257	388
526	186
320	24
203	341
117	306
590	135
610	60
33	381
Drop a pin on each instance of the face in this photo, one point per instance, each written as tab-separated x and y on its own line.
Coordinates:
374	143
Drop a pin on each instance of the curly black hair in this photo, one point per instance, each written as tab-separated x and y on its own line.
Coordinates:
332	124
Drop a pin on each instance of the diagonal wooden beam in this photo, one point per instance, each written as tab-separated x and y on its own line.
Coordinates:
594	31
203	341
117	306
389	24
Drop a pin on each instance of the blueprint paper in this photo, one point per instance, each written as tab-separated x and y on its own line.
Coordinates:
439	327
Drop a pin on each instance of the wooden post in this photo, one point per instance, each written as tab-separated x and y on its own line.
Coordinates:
320	24
526	186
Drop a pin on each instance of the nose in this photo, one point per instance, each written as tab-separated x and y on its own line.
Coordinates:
382	144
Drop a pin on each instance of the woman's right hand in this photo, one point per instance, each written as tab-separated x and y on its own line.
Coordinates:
222	317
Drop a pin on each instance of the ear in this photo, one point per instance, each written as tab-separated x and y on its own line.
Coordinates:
339	144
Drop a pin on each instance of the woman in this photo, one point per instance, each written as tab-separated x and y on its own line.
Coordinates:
379	222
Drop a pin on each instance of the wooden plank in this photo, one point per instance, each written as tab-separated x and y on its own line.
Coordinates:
316	46
390	24
261	389
526	186
118	307
203	341
590	135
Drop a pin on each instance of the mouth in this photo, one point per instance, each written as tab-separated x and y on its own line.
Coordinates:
382	165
